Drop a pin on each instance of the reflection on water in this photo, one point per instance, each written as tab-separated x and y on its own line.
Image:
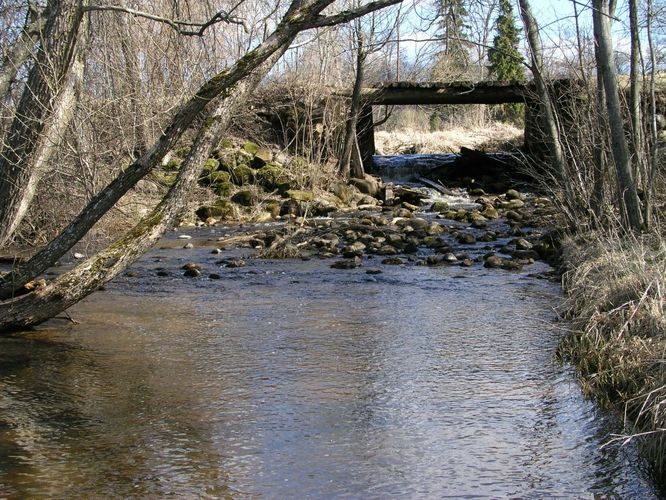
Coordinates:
287	379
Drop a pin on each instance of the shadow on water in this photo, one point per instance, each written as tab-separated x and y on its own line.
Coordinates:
289	379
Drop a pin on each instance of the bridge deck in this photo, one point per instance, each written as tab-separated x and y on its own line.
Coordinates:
447	93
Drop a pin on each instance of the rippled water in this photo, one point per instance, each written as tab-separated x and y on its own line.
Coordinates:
289	379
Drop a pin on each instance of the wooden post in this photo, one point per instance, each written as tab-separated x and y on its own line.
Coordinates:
365	132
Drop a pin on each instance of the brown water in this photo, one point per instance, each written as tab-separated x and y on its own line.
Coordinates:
289	379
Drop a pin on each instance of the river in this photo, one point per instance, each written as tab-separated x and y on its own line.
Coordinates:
288	379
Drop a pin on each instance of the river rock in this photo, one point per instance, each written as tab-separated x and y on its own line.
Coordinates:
409	206
356	249
450	257
440	207
387	250
192	273
347	263
214	276
374	271
513	216
403	213
368	185
467	263
523	244
511	265
493	262
191	265
188	246
513	204
512	194
393	261
490	212
466	239
184	237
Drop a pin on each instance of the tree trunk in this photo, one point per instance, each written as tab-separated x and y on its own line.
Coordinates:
83	280
652	161
43	113
635	91
300	16
606	71
347	167
549	120
23	48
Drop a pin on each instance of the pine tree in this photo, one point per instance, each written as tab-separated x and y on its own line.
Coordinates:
453	59
505	60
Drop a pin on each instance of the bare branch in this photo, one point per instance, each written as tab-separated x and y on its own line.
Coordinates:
179	25
350	15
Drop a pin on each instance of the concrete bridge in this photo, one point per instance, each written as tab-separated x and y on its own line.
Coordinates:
424	93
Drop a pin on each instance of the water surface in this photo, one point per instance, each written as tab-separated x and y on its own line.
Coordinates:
289	379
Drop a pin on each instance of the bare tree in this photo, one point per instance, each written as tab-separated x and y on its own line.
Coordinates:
76	284
606	72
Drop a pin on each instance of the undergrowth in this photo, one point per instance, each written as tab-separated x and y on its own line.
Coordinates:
616	288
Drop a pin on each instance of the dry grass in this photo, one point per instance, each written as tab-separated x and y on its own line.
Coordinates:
493	136
616	301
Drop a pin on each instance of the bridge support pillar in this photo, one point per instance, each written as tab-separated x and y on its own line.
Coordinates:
365	132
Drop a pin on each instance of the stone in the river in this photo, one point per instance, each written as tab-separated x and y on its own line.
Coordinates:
440	207
523	244
192	273
387	250
511	265
449	257
514	216
374	271
393	261
233	263
512	194
214	276
493	262
163	273
433	260
490	212
184	237
188	246
467	263
346	263
356	249
513	204
78	255
466	239
434	229
409	206
216	251
191	265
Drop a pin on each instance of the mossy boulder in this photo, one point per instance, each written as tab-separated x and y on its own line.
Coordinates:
244	198
211	165
240	175
221	209
214	178
165	178
173	164
183	151
223	189
226	143
440	207
261	157
272	207
299	195
270	177
251	148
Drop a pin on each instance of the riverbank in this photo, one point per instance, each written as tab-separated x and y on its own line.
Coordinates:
615	289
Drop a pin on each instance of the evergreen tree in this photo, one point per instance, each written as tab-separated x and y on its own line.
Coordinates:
505	60
453	58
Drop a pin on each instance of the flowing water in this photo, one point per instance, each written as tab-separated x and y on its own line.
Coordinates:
287	379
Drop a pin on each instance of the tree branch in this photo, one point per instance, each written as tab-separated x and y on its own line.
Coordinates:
350	15
179	25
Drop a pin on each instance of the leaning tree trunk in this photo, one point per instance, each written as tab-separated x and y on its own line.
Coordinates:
635	91
19	53
619	149
300	16
43	113
81	281
549	117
